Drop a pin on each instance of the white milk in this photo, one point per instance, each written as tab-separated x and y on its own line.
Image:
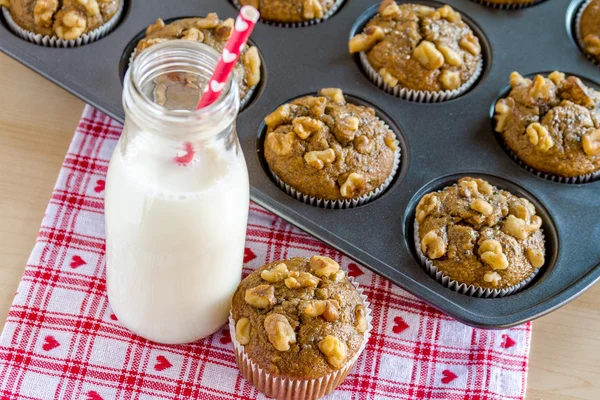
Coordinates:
175	239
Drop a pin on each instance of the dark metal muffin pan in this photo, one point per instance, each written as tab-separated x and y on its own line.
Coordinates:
443	141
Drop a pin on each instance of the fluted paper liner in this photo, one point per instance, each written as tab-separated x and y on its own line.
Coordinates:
55	41
346	203
285	388
310	22
508	6
463	288
421	96
578	37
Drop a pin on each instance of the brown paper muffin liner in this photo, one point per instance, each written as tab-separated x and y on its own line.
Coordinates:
341	204
512	6
55	41
280	387
462	288
421	96
578	37
314	21
244	101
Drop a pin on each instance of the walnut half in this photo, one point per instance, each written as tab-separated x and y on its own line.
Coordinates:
432	245
323	266
242	331
276	274
335	350
366	40
328	309
261	296
353	185
591	142
279	331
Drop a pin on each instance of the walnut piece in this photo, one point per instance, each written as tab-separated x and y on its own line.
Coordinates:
432	245
318	159
592	44
591	142
495	260
192	34
43	11
540	88
353	185
363	145
482	206
450	80
301	279
334	94
490	245
261	296
557	77
429	203
281	143
366	40
335	350
390	10
492	277
275	274
449	14
468	187
280	116
502	113
69	25
211	21
329	309
312	9
346	128
279	331
224	30
451	57
360	319
306	126
91	6
242	331
516	79
484	187
388	78
470	43
428	56
519	228
252	63
390	141
535	257
539	136
323	266
158	25
573	89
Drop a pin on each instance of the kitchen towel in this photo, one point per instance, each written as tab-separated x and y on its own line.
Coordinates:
62	341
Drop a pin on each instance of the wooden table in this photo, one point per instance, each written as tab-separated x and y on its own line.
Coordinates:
565	353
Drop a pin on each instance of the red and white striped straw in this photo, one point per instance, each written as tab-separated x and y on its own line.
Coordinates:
244	24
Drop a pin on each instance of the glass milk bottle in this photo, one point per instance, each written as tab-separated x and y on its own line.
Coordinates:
177	199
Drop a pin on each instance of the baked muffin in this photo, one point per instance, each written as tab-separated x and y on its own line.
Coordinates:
327	148
292	11
589	29
479	235
67	19
418	47
299	319
214	33
552	124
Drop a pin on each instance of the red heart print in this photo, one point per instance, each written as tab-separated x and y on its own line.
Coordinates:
50	343
248	255
100	185
77	262
400	326
94	396
449	376
113	317
162	363
225	337
507	342
354	271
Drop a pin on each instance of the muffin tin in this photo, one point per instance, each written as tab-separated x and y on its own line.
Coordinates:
440	141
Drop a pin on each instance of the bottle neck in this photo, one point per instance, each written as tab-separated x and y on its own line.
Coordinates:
180	70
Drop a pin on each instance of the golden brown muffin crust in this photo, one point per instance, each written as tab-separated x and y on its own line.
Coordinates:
419	47
303	357
480	235
589	27
552	124
290	11
328	148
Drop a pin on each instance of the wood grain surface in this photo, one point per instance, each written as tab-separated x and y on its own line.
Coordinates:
37	121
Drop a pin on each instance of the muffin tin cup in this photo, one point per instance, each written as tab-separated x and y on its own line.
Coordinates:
340	204
462	288
314	21
55	41
578	37
298	389
421	96
508	6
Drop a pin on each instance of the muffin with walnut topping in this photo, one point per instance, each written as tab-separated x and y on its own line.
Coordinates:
479	240
419	52
293	12
61	23
329	152
552	126
213	32
298	326
588	29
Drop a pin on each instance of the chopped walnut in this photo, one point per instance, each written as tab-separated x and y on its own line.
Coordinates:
515	227
318	159
346	128
192	34
360	319
275	274
484	187
557	77
449	14
363	145
261	296
482	206
502	113
353	185
450	80
535	257
279	331
280	116
495	260
468	187
306	126
429	203
470	43
492	277
158	25
301	279
490	245
451	57
516	79
432	245
242	331
252	63
43	11
281	143
335	350
391	141
591	142
224	30
323	266
388	78
91	6
69	25
540	88
573	89
390	11
592	44
312	9
338	276
334	94
539	136
211	21
428	56
366	40
144	44
329	309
